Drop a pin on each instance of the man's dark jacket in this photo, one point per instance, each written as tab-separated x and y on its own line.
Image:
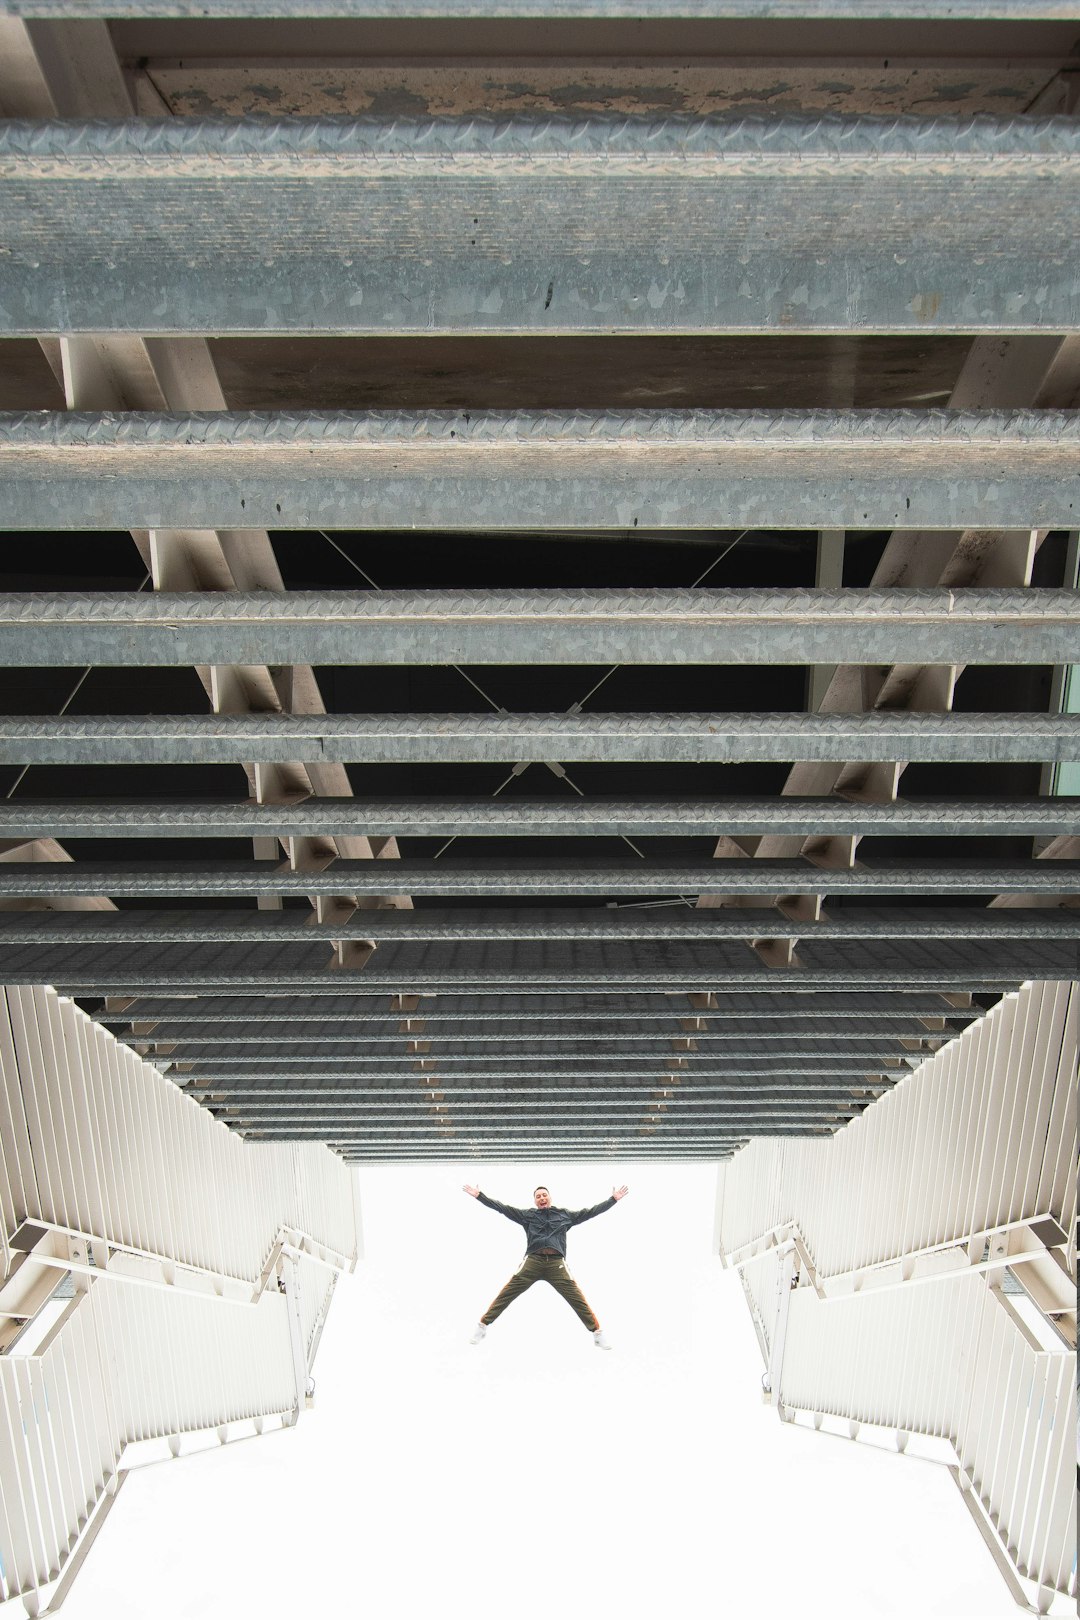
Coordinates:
547	1228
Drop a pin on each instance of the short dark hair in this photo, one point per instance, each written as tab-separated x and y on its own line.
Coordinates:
541	1188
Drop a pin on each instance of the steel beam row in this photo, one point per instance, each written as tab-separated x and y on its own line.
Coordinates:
552	10
525	966
653	877
348	1002
22	819
786	225
642	1090
501	472
635	1042
601	923
450	739
651	627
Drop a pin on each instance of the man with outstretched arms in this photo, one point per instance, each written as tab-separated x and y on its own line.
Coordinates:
545	1256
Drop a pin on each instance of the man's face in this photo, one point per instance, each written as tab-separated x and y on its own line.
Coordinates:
542	1198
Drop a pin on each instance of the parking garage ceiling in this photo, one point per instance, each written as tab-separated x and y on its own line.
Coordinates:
538	557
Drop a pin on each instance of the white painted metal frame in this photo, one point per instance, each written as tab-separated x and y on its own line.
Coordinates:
980	1138
903	1225
98	1144
201	1269
947	1361
129	1366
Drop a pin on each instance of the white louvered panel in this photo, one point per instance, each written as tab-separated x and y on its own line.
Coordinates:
121	1154
945	1360
19	1199
982	1135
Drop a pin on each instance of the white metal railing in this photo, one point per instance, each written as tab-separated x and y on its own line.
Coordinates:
198	1271
761	1280
980	1137
130	1365
96	1142
946	1360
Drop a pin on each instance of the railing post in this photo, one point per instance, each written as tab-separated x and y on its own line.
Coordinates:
784	1284
290	1276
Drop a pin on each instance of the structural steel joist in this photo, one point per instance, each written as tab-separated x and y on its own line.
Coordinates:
550	10
812	224
499	472
525	966
251	1043
352	1004
639	1090
601	923
635	1043
446	739
536	817
544	627
656	878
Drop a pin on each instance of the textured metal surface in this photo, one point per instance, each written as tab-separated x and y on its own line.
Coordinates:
350	1003
467	925
551	1093
497	738
129	879
548	10
250	1043
524	966
206	1075
542	627
646	1046
684	225
497	471
525	817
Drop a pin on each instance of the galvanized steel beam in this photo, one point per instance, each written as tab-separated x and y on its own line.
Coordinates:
349	1002
527	967
448	739
654	1040
832	1070
533	817
651	877
714	1154
551	1144
817	224
637	1042
661	627
466	926
550	10
482	1115
522	1095
511	471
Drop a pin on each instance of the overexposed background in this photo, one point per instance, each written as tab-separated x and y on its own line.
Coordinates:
534	1475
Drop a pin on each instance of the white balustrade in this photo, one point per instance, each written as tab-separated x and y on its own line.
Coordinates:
97	1142
127	1365
946	1360
173	1241
981	1136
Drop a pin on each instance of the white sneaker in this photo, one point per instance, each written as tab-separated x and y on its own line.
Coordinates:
480	1332
600	1342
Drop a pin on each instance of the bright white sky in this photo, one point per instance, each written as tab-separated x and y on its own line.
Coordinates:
535	1476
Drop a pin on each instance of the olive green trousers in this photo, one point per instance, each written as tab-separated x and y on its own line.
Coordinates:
542	1268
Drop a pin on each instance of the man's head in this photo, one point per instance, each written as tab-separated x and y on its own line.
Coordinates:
541	1197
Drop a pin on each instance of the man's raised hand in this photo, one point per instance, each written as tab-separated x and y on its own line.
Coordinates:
616	1192
474	1192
